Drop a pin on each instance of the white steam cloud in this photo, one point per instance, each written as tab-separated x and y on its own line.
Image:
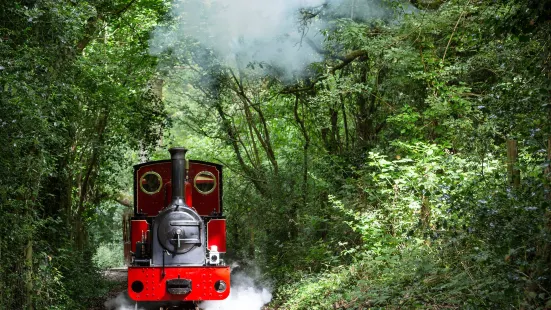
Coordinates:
241	32
244	31
244	295
121	302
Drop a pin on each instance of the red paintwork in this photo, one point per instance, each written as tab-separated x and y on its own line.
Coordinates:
189	193
138	228
202	281
205	204
216	234
153	204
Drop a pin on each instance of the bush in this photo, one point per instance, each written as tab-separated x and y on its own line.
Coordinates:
434	232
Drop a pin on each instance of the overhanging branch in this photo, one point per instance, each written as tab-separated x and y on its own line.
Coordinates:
345	61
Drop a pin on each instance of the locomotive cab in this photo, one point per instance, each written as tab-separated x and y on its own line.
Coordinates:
177	232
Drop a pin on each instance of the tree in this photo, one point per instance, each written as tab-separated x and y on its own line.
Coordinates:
76	93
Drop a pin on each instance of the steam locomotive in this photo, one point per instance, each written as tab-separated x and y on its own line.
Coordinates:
176	234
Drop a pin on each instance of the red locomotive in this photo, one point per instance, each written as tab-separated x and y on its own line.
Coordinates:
177	232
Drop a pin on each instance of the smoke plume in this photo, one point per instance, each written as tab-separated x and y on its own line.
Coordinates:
121	302
244	32
244	295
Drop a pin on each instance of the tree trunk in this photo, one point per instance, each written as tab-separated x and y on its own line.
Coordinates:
362	116
29	275
425	212
545	249
88	182
233	139
306	137
157	88
352	8
512	155
345	121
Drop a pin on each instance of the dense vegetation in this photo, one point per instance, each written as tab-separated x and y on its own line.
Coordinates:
407	169
76	97
381	178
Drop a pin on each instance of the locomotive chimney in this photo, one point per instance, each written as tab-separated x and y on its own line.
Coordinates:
178	156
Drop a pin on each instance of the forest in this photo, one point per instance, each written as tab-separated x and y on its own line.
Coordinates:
378	154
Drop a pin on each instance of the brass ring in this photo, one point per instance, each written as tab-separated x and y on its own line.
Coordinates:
195	182
158	177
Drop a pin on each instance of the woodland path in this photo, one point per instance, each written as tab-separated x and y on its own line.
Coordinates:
117	277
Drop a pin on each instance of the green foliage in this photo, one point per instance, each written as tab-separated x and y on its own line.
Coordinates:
82	279
380	180
76	99
109	256
464	257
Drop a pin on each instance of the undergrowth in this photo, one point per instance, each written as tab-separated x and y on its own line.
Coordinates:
415	277
433	232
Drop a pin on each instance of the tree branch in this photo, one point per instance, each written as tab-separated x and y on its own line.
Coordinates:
125	201
92	26
454	29
346	60
124	8
427	4
264	140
